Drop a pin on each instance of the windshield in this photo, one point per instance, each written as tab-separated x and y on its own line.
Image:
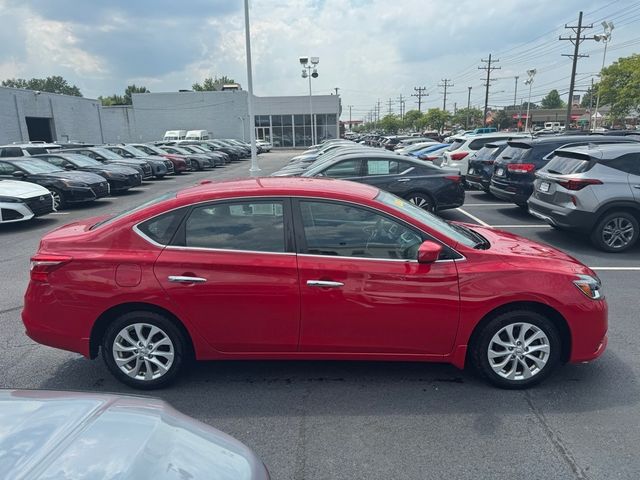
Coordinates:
129	211
429	219
135	151
82	160
150	149
108	154
36	150
179	150
38	166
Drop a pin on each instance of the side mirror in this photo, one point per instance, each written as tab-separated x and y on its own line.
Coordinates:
18	174
69	166
429	252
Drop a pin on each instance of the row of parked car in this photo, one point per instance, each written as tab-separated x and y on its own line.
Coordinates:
580	182
39	178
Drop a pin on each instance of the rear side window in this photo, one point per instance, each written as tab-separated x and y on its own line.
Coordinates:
252	226
565	164
456	144
36	150
629	163
161	229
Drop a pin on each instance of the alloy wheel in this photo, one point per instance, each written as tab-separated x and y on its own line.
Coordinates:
519	351
57	199
618	232
143	351
422	202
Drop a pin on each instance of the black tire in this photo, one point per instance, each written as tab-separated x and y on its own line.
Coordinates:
199	166
167	328
422	200
604	236
523	206
58	199
480	349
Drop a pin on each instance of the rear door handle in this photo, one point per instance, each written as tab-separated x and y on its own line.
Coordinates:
324	283
183	279
636	186
404	180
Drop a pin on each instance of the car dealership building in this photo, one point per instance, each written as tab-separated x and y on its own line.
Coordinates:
27	115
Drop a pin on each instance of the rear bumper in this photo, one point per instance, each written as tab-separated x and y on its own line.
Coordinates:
561	216
514	193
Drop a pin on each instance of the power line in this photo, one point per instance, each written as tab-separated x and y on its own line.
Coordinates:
420	93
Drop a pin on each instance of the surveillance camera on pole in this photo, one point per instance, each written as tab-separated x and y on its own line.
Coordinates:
310	71
314	74
315	60
304	60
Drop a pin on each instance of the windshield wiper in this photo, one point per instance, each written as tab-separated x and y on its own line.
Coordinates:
554	172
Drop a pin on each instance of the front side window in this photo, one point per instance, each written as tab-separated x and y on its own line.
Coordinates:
343	230
344	169
254	226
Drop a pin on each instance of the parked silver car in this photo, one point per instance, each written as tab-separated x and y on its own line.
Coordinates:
64	435
595	189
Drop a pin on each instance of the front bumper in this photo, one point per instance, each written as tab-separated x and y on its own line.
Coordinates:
121	185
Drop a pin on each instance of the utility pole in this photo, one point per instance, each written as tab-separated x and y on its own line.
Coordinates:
389	102
468	107
350	125
336	89
591	105
489	69
446	82
420	92
455	107
515	93
401	101
378	110
577	40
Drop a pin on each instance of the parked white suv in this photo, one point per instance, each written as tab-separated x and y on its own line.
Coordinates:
27	149
462	147
21	201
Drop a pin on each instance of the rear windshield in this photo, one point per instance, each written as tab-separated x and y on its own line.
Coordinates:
129	211
516	154
456	144
488	152
36	150
564	164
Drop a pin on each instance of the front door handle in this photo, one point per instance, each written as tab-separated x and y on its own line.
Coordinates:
404	180
636	186
183	279
324	283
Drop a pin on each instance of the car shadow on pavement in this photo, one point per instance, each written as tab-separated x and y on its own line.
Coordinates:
274	388
33	224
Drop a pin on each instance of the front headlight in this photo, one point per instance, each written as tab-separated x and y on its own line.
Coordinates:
10	200
73	183
590	286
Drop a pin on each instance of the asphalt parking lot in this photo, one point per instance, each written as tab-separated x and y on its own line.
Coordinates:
367	420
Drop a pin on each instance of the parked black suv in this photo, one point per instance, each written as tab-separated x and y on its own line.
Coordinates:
514	170
481	165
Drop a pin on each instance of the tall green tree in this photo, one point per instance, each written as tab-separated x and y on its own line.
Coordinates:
436	118
474	115
125	99
411	119
552	100
53	84
390	123
503	119
210	84
587	100
620	86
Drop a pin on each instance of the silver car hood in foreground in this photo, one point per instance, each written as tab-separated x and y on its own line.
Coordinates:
64	435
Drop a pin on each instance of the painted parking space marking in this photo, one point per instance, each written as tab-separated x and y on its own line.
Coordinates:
616	269
488	205
59	213
537	225
473	217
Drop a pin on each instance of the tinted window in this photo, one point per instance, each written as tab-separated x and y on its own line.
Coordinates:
10	152
565	164
516	154
456	144
36	150
629	163
257	226
161	229
346	168
56	161
7	168
344	230
481	142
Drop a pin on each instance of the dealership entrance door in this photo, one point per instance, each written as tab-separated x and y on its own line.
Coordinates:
40	129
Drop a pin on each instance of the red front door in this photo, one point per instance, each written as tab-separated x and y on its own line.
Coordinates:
363	292
230	274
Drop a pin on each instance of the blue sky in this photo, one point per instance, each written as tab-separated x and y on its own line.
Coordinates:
370	49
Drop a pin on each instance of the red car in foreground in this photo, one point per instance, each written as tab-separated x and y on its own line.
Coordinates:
304	268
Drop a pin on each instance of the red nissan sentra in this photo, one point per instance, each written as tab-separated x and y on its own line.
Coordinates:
305	268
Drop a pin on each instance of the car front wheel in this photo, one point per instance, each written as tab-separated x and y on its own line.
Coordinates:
517	349
58	199
144	350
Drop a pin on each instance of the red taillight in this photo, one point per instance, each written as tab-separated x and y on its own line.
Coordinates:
43	265
427	157
458	155
521	167
454	178
579	184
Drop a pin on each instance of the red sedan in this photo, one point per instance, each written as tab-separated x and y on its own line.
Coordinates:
301	268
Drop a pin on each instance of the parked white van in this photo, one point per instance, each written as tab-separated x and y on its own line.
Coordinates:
174	135
197	135
553	126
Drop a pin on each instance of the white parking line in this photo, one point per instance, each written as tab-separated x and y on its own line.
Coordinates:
489	205
538	225
59	213
614	269
141	188
473	217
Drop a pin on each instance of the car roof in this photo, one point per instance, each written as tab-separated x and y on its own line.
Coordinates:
277	186
565	139
602	150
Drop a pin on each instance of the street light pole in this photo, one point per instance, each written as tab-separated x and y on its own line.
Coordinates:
529	81
310	71
606	37
255	169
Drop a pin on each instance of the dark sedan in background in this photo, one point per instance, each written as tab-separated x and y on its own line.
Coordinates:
427	186
159	165
108	157
120	177
65	186
180	162
69	435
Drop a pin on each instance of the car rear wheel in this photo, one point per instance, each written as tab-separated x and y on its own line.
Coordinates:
517	349
58	199
144	350
423	201
616	232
